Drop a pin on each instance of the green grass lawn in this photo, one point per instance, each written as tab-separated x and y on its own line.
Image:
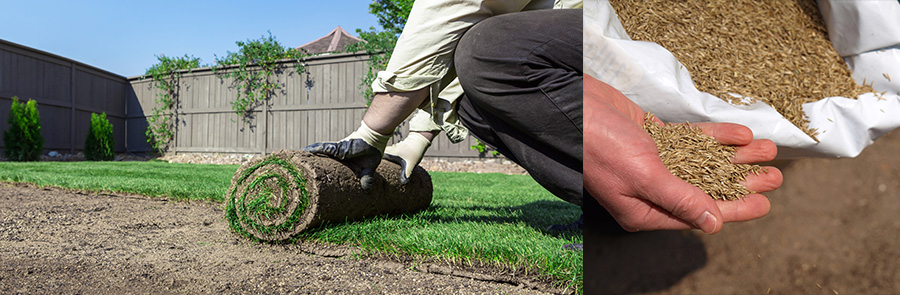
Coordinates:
479	219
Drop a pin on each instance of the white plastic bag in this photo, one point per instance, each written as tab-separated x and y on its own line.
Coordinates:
867	35
650	75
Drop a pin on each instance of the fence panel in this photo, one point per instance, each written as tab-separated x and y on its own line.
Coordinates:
322	103
66	91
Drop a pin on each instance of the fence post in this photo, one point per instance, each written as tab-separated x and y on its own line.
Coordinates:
177	104
265	127
127	85
72	108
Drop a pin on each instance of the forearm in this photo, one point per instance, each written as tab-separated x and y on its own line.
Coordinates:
389	109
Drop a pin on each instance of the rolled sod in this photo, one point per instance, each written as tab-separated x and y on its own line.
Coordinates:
274	198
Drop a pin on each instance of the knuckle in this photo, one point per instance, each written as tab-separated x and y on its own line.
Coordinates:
684	207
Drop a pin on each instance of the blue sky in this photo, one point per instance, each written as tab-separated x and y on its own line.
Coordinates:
123	37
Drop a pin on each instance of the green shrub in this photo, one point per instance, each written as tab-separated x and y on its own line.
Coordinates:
23	140
99	143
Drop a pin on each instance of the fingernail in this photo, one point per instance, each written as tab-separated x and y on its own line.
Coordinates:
706	222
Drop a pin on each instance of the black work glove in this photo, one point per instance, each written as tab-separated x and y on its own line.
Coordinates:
363	148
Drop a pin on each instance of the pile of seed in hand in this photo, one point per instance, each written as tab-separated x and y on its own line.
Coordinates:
700	160
776	52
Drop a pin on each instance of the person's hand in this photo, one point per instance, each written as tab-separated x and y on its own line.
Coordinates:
363	148
408	153
623	171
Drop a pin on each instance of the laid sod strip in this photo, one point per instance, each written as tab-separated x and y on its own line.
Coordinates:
776	51
276	197
700	160
475	219
156	179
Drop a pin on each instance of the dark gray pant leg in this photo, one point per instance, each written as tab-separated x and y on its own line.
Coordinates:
522	76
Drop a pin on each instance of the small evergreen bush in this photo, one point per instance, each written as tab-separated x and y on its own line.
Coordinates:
99	143
23	140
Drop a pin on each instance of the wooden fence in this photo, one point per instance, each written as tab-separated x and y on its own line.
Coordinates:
66	91
323	103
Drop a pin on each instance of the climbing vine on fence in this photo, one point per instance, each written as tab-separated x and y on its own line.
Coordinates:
165	74
252	68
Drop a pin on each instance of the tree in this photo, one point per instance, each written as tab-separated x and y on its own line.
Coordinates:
391	14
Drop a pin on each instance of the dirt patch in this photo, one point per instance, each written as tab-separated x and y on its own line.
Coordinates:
833	229
60	241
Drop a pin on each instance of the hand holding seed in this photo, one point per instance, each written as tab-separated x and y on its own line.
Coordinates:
624	172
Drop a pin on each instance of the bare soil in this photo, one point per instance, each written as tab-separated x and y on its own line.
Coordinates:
834	228
59	241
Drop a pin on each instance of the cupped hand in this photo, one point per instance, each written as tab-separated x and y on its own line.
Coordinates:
623	171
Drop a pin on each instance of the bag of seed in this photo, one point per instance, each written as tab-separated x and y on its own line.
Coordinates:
768	65
867	35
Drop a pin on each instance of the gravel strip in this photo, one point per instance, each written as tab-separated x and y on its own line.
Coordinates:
490	165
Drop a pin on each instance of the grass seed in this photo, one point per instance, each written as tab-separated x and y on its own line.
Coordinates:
700	159
776	52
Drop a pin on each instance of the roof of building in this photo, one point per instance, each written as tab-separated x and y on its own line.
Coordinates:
336	40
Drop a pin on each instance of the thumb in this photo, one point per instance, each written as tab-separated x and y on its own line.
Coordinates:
366	179
686	202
